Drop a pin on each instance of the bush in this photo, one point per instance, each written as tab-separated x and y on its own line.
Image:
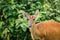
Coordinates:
13	26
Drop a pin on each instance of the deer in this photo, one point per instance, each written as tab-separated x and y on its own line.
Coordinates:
47	30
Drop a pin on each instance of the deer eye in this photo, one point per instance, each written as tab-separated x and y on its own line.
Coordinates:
33	19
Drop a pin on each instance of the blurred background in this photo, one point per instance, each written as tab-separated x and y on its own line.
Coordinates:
13	25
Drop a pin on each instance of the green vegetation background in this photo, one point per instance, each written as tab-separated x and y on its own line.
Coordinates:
13	25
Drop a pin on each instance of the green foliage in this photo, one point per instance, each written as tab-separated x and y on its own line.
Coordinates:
13	26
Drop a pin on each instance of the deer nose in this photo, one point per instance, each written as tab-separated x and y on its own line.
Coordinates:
30	25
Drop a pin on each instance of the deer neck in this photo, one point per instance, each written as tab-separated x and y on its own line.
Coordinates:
34	26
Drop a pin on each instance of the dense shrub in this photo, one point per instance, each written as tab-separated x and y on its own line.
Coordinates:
13	26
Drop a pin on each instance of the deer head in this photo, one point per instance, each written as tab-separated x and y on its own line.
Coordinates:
31	19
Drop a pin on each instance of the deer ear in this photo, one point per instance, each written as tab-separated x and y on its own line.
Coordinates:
26	15
36	13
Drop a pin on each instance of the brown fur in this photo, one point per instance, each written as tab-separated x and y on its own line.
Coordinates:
49	30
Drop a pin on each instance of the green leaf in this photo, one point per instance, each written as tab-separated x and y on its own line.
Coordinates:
1	23
57	18
24	27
